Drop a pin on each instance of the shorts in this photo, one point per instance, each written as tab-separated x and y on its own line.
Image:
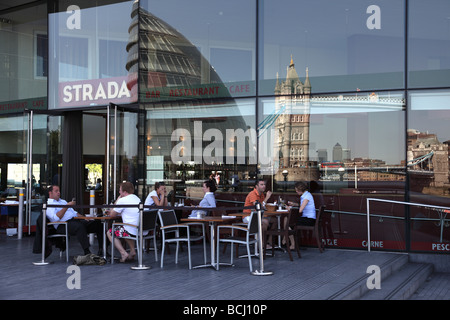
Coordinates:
303	221
121	232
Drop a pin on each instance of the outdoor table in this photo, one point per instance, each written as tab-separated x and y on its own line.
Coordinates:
104	220
212	221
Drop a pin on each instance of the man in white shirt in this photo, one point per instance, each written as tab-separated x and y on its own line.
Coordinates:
130	215
78	228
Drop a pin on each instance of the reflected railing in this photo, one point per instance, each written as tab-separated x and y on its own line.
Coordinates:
442	211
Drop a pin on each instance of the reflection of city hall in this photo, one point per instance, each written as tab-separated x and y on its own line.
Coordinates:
427	158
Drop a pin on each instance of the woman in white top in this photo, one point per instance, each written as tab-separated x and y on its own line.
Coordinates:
208	201
129	215
158	196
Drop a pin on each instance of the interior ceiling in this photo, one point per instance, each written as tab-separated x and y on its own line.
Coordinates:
6	4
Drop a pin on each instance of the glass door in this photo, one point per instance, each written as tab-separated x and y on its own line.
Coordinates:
40	164
122	149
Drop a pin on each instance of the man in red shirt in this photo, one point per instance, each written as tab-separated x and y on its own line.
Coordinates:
258	195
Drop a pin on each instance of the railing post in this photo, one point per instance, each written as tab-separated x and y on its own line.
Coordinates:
141	240
43	230
92	213
368	225
20	214
261	271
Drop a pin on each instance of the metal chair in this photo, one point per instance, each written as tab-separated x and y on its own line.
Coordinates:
148	226
317	231
169	225
60	235
250	237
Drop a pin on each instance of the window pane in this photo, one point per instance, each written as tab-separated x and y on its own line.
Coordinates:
89	54
346	147
23	59
428	166
346	45
208	46
429	43
190	142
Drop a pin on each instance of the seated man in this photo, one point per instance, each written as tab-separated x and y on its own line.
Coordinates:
129	216
258	195
78	228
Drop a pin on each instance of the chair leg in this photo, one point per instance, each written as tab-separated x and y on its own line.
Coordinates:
189	254
232	250
112	247
162	252
217	252
249	258
67	248
319	242
297	244
273	247
155	247
288	245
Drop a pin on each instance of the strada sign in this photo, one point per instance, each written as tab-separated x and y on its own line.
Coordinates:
94	92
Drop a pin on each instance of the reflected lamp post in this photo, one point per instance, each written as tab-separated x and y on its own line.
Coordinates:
341	172
285	174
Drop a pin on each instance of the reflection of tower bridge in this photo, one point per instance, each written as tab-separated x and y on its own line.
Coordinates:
412	166
417	162
358	103
372	101
349	169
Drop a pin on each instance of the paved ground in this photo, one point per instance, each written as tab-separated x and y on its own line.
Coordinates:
436	288
315	276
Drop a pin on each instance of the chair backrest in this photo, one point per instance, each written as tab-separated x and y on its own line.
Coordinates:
149	219
319	214
167	217
253	222
294	215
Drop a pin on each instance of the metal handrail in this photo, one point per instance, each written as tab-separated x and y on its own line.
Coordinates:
398	202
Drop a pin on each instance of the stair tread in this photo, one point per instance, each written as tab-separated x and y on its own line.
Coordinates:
400	284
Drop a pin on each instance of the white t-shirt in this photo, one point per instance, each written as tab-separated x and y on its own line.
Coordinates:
149	200
129	215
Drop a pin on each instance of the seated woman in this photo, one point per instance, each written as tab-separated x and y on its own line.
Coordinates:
307	207
208	201
158	196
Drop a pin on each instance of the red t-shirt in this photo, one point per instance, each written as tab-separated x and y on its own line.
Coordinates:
251	198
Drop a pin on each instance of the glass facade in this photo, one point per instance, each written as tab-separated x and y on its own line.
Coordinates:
87	66
345	45
349	96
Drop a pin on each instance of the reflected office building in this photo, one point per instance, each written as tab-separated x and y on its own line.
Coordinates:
180	129
180	91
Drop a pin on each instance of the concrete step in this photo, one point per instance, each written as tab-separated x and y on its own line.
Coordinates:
402	284
358	288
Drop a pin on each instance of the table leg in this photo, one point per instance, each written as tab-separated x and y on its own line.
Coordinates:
212	240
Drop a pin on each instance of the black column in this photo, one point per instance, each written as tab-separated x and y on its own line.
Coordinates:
72	173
